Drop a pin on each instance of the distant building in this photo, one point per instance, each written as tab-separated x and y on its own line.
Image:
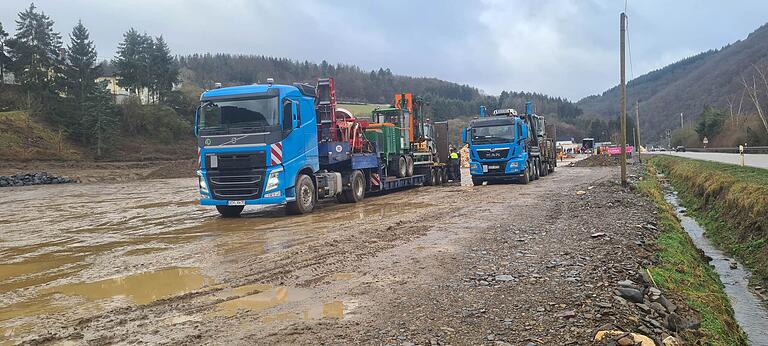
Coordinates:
119	94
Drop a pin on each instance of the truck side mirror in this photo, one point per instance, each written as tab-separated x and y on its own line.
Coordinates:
196	129
464	135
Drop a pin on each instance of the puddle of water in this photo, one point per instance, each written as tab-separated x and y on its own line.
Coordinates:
748	309
259	298
140	288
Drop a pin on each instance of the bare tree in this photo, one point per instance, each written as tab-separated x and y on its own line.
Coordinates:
754	94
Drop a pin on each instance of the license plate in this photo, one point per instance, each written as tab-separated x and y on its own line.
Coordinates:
494	167
485	168
235	202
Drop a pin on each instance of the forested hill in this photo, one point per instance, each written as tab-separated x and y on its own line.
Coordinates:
711	78
447	99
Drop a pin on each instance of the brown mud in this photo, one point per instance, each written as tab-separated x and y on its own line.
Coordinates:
141	262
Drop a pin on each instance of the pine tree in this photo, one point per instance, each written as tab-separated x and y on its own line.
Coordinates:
3	55
101	118
163	69
133	61
81	70
36	53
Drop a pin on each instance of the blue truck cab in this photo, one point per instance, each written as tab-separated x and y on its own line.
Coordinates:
256	143
498	147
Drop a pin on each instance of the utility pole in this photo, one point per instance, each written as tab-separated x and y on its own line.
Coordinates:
681	121
637	130
623	134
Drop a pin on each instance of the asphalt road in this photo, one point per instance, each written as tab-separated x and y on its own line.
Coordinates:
754	160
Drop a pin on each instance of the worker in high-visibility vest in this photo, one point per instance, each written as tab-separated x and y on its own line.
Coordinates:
453	165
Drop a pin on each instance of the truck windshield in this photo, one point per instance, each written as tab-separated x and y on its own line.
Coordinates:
255	113
493	134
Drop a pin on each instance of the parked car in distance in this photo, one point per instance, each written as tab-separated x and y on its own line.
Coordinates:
680	149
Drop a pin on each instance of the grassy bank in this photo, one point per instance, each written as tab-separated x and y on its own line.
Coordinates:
682	270
24	138
730	201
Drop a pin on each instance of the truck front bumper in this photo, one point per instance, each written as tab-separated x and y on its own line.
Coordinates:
504	169
260	201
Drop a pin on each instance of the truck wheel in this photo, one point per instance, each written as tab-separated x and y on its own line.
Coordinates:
477	181
409	166
400	167
305	196
356	191
552	167
439	176
536	169
445	175
544	169
527	175
229	211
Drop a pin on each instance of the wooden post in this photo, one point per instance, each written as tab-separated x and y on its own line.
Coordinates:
623	134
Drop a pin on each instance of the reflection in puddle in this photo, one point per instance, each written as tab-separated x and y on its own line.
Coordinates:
140	288
262	297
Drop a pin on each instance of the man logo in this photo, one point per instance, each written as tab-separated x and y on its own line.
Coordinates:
234	139
207	141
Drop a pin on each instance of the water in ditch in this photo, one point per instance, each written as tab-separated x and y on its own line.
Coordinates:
748	308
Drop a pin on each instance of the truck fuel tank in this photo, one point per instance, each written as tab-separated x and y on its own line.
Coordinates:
329	184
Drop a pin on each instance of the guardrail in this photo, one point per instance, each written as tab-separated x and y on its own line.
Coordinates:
747	150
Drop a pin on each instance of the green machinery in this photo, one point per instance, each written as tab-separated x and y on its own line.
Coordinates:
408	142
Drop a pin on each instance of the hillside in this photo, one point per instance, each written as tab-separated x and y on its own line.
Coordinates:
709	78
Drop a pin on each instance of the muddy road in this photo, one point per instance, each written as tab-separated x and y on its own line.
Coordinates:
142	262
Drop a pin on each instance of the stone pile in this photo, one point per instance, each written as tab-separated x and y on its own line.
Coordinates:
37	178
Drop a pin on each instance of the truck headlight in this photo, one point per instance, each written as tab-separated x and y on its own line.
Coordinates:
274	180
513	164
202	183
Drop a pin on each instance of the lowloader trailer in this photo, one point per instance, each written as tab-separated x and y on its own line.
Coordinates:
267	144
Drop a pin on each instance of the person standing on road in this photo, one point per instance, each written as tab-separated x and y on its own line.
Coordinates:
453	165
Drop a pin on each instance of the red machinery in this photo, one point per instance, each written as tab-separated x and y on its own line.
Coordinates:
338	124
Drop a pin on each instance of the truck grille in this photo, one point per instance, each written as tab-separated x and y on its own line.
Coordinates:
488	154
237	176
236	187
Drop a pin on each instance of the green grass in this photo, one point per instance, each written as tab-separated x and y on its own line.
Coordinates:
360	110
682	270
730	201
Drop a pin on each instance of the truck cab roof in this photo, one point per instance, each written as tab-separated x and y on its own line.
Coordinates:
258	90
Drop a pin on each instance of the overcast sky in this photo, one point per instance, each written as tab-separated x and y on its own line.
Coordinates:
563	48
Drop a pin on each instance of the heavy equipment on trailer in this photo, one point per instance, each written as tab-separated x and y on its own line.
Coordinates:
409	140
268	144
508	145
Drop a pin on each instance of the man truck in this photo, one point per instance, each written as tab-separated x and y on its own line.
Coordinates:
266	144
510	146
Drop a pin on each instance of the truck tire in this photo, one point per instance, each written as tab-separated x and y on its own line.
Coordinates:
439	176
356	191
429	179
409	166
536	169
552	167
399	167
305	196
477	181
230	211
526	175
544	169
445	175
